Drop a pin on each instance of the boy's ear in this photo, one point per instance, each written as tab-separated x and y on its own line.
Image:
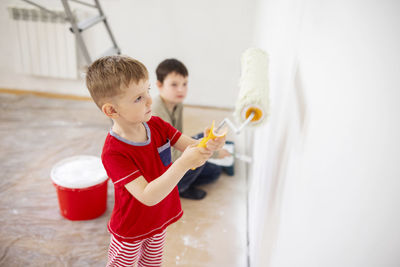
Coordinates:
109	110
159	84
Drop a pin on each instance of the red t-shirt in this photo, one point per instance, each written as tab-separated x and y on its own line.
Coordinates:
125	161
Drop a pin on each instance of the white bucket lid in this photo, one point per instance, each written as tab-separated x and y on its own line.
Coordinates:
78	172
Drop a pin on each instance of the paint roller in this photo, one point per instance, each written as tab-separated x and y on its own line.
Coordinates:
252	106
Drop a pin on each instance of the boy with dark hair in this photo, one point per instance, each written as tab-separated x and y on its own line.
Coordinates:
172	82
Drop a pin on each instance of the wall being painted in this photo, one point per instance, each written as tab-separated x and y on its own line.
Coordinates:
324	187
208	36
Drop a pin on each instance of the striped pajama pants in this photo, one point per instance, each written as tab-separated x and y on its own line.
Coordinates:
145	252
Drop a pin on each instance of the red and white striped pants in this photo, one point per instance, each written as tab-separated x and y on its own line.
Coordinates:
145	252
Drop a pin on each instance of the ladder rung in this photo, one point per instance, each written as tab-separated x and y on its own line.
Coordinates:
111	51
84	25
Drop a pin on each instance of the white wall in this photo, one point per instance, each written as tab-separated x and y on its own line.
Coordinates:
325	183
208	36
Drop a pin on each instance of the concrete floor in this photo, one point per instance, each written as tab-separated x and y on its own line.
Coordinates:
37	132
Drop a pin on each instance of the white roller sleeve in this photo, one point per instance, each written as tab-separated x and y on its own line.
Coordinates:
254	85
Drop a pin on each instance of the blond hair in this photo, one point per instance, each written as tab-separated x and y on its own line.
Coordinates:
107	77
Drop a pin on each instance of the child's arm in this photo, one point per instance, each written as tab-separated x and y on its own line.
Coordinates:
184	141
152	193
212	144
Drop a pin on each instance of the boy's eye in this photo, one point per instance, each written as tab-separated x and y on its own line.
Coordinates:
138	99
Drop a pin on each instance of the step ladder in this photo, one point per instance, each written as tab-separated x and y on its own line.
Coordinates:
78	27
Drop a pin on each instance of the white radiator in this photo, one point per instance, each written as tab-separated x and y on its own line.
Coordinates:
46	47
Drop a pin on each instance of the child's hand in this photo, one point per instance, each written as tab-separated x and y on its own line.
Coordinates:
216	143
194	156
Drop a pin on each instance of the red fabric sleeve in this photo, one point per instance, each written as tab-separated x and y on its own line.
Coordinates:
172	133
120	169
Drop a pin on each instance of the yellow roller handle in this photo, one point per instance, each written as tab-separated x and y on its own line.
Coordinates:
204	140
211	135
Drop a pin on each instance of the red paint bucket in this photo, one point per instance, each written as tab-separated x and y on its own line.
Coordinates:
81	184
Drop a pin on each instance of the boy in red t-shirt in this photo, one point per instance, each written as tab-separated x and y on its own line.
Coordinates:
137	158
